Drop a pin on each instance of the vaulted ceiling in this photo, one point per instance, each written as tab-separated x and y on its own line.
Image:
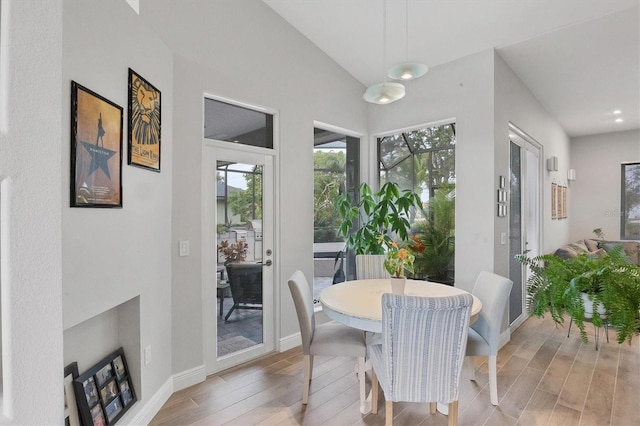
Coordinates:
580	58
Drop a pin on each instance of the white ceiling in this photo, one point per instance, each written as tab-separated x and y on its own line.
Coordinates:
580	58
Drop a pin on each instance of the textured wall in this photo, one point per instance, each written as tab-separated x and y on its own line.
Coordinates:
111	256
30	150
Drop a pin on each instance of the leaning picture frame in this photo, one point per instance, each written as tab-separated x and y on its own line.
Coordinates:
71	416
144	123
105	391
96	150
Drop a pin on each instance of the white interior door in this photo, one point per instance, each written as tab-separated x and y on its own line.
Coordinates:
524	218
239	299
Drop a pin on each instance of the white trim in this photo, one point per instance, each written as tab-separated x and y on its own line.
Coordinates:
336	129
147	412
289	342
505	337
189	377
436	123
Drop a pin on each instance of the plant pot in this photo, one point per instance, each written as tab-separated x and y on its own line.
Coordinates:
397	285
588	307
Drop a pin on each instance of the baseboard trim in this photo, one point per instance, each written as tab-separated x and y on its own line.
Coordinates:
153	406
290	342
189	378
505	337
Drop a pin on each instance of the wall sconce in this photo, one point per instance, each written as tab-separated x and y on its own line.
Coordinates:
571	174
552	164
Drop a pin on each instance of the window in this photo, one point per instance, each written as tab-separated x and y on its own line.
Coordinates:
232	123
335	170
630	217
422	160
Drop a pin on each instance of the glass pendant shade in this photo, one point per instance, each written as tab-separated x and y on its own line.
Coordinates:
408	71
384	93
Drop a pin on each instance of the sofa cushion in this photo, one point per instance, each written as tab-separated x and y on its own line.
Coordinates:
565	252
597	253
632	249
580	247
592	245
612	245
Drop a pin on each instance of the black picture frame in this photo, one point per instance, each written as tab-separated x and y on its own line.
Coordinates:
105	392
145	123
71	414
96	150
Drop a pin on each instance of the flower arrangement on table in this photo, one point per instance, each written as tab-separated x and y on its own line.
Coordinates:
233	252
398	259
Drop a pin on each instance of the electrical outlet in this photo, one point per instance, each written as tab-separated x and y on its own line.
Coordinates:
147	355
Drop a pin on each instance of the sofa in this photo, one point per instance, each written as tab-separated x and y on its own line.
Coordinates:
598	247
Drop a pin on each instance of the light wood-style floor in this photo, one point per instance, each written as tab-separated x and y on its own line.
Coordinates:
544	378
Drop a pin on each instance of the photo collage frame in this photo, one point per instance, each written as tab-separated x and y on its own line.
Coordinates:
105	392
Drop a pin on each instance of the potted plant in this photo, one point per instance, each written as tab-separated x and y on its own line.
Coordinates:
384	213
396	262
433	241
561	287
233	252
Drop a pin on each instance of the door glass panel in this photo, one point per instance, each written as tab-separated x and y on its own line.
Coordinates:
515	232
239	243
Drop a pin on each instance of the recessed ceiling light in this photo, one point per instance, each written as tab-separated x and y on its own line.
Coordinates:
617	111
619	120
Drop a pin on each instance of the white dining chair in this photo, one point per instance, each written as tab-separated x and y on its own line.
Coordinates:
370	266
332	339
422	351
484	334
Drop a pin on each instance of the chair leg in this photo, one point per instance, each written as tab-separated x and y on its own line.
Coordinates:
471	367
374	392
361	379
433	406
453	413
235	305
388	420
493	379
597	332
606	329
308	370
570	322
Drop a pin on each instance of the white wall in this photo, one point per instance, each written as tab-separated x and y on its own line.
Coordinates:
111	256
594	197
31	250
462	90
514	103
253	56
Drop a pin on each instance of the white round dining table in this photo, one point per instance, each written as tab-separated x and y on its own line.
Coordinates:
358	303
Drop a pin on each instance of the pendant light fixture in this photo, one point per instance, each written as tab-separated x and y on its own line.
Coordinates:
385	92
407	70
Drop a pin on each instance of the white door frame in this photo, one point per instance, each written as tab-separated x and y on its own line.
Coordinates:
527	144
213	151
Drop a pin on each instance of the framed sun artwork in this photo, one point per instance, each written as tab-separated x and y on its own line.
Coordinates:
144	123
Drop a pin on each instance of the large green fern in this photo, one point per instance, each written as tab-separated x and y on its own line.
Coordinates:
556	286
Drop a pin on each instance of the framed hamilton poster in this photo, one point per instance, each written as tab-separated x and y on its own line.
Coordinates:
96	150
144	123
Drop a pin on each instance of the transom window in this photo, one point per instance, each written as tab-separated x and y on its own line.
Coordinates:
232	123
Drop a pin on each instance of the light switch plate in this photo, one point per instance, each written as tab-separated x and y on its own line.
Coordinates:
184	248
